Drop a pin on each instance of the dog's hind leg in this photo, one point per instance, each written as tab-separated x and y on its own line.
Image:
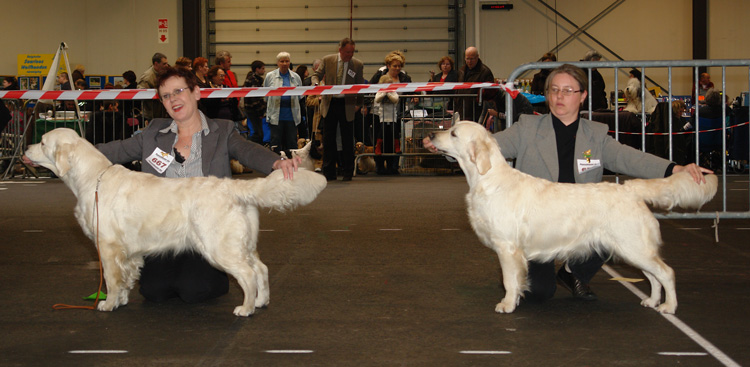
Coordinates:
261	277
641	251
514	268
665	275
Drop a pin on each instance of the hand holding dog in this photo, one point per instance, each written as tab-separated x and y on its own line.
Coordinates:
288	166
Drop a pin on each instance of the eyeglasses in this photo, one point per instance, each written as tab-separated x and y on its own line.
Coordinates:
175	93
568	91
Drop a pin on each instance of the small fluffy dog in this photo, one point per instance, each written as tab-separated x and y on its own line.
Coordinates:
303	153
522	217
633	95
135	214
365	163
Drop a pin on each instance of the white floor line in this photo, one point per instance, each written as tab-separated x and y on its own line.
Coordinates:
690	354
97	351
485	352
289	351
687	330
389	229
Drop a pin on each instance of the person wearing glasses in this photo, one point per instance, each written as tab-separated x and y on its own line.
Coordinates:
563	147
190	145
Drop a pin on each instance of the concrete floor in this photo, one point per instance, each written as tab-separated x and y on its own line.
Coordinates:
380	271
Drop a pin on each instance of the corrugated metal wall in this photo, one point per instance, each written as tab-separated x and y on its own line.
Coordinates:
425	30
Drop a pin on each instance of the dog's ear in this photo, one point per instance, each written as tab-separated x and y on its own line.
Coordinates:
62	158
479	154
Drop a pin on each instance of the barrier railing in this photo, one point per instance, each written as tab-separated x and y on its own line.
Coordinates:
617	66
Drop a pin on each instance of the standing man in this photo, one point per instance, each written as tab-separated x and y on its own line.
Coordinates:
153	109
338	111
474	71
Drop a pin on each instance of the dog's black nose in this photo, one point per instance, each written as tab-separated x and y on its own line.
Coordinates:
432	135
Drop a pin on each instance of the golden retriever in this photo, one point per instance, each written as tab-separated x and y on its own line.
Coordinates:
134	214
522	217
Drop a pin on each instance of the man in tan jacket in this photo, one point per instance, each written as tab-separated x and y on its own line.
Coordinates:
338	111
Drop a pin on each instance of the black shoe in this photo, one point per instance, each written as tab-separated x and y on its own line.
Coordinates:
347	178
575	286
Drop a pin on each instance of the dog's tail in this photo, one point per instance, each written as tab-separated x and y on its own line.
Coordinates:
275	192
678	190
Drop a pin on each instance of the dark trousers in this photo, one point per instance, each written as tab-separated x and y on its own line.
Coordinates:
542	276
284	137
256	121
336	119
187	275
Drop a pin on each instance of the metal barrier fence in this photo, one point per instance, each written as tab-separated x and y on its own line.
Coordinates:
738	129
98	121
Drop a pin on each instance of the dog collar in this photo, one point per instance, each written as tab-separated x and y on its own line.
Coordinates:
99	180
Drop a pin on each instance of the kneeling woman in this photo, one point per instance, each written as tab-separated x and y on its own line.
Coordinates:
194	146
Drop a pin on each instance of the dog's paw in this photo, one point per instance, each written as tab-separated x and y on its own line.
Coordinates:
505	306
107	305
244	311
667	308
650	302
261	302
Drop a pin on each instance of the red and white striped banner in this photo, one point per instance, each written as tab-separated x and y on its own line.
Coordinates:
109	94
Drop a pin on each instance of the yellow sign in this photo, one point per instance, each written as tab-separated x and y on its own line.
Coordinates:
37	64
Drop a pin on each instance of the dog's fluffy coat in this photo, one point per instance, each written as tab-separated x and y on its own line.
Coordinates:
522	217
140	214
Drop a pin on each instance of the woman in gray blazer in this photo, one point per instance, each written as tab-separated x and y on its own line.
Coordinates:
188	145
563	147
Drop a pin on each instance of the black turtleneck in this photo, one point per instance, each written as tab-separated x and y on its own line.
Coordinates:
566	144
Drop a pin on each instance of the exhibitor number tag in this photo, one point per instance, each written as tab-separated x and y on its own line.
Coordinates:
160	160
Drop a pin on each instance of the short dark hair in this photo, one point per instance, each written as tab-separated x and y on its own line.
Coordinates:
549	56
190	79
346	41
157	57
129	76
257	64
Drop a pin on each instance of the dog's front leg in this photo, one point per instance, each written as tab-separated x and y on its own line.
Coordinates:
514	268
113	276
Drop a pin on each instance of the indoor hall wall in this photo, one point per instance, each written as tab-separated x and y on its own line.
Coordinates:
635	30
108	37
309	30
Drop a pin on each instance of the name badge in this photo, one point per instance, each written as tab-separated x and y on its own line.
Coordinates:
587	165
351	73
160	160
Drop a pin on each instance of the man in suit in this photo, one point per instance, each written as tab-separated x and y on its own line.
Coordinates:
338	111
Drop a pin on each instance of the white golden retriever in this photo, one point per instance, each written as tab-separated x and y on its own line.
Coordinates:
140	214
526	218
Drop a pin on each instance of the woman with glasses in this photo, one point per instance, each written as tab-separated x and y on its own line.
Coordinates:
563	147
188	144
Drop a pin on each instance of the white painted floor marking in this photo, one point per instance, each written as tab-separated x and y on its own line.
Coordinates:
289	351
389	229
485	352
689	354
687	330
97	351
